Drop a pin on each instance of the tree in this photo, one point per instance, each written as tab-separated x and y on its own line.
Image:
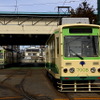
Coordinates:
84	10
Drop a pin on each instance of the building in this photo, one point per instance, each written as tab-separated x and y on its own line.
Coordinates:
33	54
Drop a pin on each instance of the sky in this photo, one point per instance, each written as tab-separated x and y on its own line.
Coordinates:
40	5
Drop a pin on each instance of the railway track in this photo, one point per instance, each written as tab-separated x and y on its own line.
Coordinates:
19	89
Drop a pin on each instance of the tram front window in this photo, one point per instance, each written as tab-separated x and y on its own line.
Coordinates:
81	46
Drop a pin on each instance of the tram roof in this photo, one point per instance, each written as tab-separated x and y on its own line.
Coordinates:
88	25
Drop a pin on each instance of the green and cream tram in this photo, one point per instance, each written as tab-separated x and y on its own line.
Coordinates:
73	58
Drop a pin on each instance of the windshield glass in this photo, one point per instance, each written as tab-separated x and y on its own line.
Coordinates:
80	46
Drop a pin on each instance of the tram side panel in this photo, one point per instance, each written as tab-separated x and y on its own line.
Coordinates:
53	51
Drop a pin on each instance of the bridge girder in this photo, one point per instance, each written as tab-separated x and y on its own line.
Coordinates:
27	25
24	29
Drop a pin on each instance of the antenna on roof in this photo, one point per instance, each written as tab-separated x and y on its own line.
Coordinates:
63	10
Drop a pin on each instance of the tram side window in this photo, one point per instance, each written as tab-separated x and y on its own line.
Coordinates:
1	55
57	43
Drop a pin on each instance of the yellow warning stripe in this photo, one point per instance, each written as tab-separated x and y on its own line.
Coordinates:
81	99
87	98
61	99
10	97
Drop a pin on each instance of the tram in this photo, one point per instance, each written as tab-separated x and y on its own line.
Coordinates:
73	58
8	57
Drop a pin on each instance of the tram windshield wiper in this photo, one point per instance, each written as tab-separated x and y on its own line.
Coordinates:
77	54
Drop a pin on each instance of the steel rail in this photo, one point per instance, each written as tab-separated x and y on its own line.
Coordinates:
23	92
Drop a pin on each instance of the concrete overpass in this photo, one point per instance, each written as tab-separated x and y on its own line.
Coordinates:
27	28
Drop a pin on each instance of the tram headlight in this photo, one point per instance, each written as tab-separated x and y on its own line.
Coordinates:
93	70
65	70
72	70
99	70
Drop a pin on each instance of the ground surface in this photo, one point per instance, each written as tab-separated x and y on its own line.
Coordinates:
32	83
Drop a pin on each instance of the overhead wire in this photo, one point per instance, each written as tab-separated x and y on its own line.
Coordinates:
29	4
7	5
64	2
49	3
16	5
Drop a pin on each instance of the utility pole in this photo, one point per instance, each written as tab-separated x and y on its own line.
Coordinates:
98	5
